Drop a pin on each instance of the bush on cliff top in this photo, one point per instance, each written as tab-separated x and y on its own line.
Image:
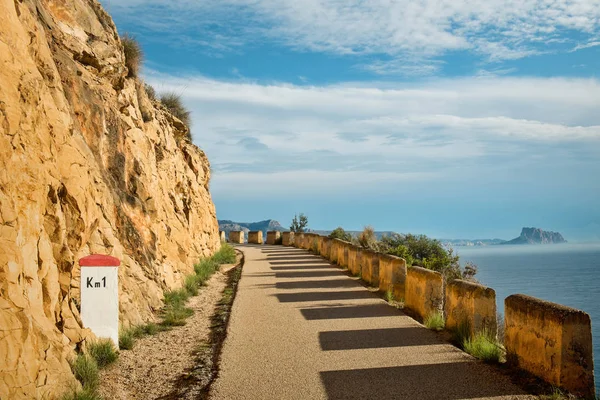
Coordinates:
172	101
133	55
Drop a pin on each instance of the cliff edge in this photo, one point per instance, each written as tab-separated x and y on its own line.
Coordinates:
88	164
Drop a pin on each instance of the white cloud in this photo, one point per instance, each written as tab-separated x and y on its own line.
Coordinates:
411	31
286	136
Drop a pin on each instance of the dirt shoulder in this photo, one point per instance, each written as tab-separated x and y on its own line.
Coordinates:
157	365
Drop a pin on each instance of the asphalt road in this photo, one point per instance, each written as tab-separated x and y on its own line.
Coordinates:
301	328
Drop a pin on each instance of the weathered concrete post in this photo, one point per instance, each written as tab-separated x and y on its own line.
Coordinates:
392	275
287	238
325	247
236	236
255	237
100	295
424	292
370	267
470	303
298	239
551	341
273	237
222	236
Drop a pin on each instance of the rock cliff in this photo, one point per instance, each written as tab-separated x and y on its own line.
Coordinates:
88	164
537	236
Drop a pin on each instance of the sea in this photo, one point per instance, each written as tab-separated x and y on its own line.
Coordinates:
567	274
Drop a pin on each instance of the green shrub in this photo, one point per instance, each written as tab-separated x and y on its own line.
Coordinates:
172	101
389	296
435	321
85	370
484	347
133	54
299	223
340	233
225	255
126	339
368	239
103	351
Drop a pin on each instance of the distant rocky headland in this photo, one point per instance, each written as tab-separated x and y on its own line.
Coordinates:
537	236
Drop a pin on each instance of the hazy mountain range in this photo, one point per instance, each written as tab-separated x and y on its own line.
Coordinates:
527	236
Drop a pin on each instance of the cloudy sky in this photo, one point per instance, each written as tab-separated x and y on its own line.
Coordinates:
453	118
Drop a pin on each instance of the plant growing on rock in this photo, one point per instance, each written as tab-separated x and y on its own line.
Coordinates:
172	102
133	55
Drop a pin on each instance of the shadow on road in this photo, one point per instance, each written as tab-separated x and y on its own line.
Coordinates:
377	338
324	296
432	381
358	311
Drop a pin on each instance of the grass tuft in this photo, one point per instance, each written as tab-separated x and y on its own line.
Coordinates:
225	255
484	347
103	351
172	101
191	284
389	296
85	369
84	394
133	54
176	315
126	339
435	321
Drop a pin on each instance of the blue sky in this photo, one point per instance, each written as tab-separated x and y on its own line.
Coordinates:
457	119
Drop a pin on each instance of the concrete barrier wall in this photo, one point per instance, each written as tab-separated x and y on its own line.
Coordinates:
470	303
369	271
222	237
424	292
325	247
354	259
255	237
392	275
273	237
551	341
287	238
334	250
343	254
236	236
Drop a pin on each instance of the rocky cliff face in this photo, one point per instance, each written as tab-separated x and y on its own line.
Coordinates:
88	164
537	236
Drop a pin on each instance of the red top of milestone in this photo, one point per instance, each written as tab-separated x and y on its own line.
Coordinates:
99	260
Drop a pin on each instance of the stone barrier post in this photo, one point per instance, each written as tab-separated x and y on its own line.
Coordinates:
472	304
298	239
343	254
236	236
273	237
100	295
551	341
287	238
392	275
255	237
222	236
424	292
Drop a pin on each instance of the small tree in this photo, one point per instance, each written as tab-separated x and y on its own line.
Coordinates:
340	233
299	223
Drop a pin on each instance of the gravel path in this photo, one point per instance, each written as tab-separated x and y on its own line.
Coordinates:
302	329
151	368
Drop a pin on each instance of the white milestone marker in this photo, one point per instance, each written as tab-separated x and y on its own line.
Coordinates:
100	295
